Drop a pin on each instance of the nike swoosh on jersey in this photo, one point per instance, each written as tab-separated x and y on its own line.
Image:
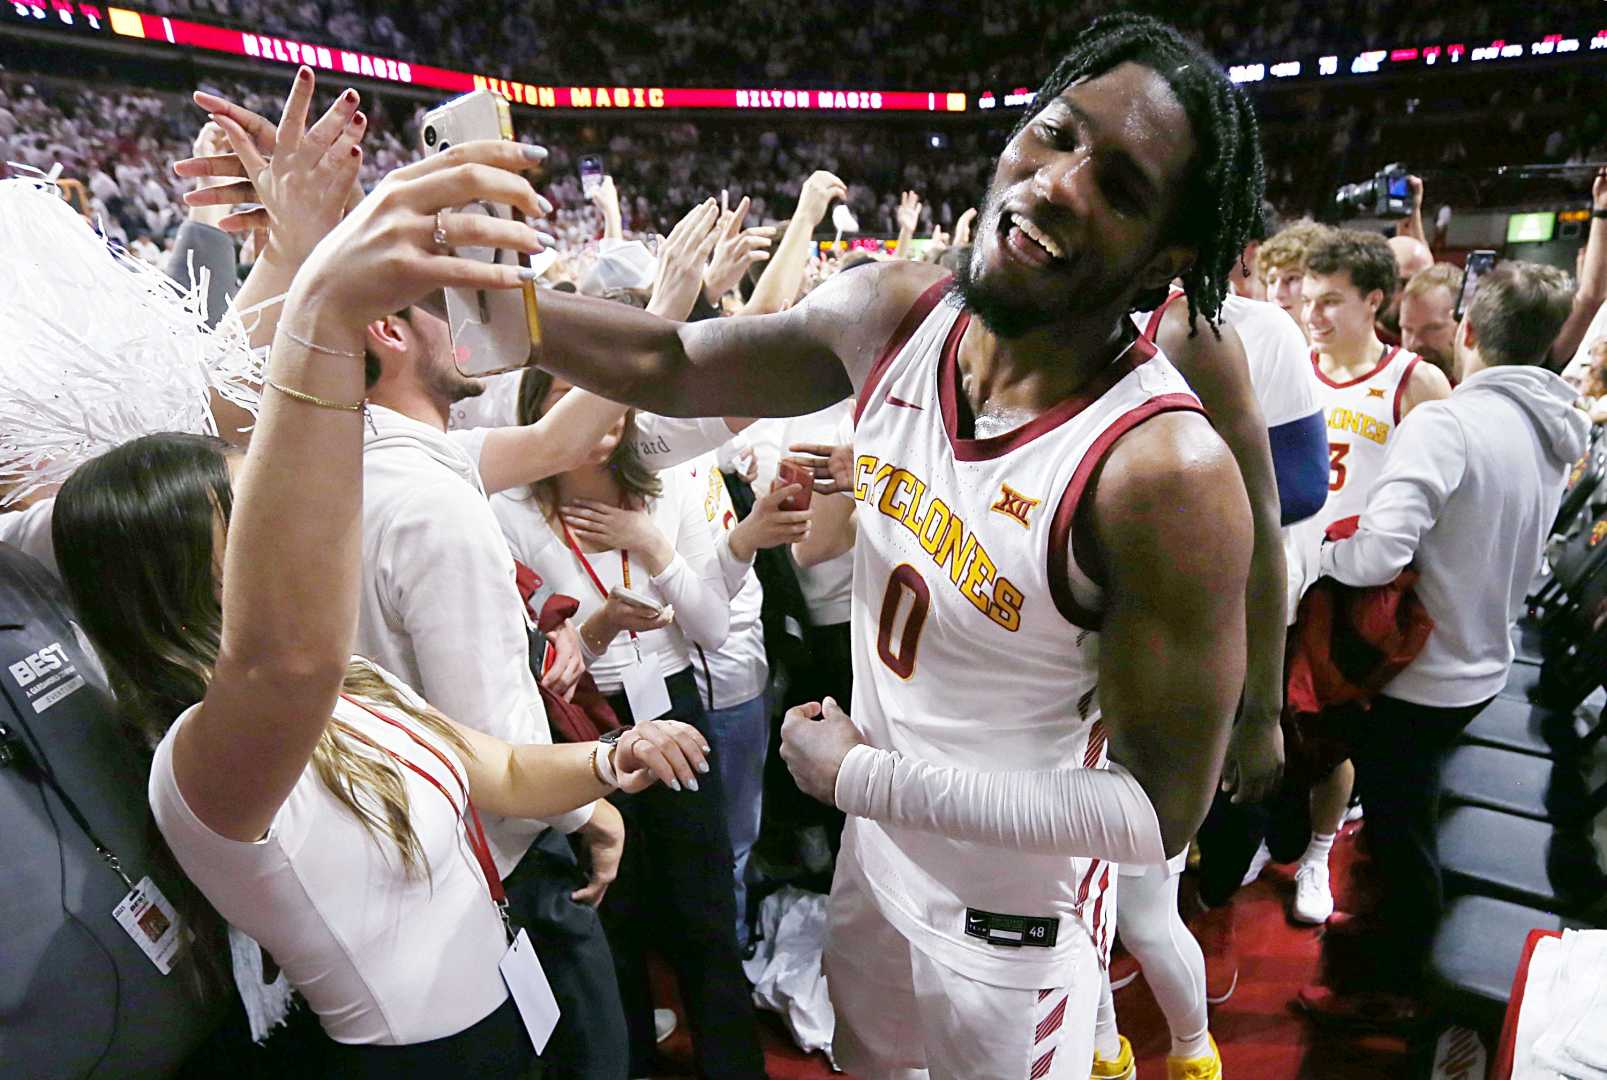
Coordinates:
892	400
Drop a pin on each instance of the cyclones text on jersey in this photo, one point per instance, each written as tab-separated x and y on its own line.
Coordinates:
942	535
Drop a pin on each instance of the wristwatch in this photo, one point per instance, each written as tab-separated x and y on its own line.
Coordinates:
602	764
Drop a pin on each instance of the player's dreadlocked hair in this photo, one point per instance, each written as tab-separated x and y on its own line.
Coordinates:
1221	201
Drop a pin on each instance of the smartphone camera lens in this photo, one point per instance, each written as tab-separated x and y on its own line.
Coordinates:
429	134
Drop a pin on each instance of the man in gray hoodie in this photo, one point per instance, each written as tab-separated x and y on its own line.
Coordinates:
1469	489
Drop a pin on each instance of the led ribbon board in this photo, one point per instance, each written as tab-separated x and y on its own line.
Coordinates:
273	48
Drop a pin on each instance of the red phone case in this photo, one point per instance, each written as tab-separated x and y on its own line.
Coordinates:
793	472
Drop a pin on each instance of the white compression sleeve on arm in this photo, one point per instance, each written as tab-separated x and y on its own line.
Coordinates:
1098	813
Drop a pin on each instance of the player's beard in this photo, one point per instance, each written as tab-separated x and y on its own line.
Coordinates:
1003	312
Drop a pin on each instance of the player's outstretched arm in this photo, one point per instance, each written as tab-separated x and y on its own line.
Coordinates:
1172	524
788	364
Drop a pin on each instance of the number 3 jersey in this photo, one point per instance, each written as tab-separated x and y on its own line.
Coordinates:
975	635
1362	414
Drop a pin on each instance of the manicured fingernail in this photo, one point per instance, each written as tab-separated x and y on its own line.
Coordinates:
528	273
547	238
349	96
535	153
703	766
304	73
675	785
357	151
692	783
359	119
541	201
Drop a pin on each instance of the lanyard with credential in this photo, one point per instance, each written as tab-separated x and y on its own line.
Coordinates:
475	835
624	575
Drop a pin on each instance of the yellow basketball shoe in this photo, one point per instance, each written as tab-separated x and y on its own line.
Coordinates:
1204	1067
1122	1068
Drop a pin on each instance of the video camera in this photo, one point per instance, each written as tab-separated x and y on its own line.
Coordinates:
1386	195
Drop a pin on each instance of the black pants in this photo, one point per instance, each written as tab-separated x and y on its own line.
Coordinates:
589	1042
830	674
1231	833
1398	749
674	895
497	1048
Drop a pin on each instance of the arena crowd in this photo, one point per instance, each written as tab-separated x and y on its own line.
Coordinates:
434	658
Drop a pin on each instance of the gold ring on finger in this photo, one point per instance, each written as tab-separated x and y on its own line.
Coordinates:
439	237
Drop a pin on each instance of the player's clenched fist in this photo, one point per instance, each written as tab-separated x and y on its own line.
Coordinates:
815	737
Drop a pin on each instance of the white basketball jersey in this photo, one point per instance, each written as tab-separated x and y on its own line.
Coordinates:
975	635
1274	350
1362	414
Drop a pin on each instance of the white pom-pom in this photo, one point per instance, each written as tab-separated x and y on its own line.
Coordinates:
97	347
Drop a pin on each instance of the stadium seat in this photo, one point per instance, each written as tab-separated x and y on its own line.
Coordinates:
1514	858
1476	953
1521	784
1526	728
1583	482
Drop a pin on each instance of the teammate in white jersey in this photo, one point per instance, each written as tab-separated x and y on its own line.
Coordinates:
1022	599
1257	385
1366	388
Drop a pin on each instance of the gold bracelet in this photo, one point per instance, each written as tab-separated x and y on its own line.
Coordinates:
595	771
322	403
315	347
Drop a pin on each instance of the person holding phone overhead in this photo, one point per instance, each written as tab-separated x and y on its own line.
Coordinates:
635	548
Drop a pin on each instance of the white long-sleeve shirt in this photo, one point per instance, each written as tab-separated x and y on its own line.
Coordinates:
1469	490
738	671
664	441
438	605
693	582
828	587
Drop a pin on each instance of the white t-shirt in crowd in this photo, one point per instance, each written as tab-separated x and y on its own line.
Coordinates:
692	583
438	603
382	958
827	587
738	670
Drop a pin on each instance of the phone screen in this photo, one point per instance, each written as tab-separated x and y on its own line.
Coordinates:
591	174
1479	263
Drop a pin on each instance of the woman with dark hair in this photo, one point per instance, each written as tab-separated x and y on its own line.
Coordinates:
319	805
606	533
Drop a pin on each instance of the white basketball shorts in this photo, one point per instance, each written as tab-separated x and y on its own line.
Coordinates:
902	1015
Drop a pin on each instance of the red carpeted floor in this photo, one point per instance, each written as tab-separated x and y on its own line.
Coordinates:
1260	1037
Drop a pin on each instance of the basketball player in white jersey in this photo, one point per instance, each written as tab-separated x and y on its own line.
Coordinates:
1257	386
1051	565
1366	389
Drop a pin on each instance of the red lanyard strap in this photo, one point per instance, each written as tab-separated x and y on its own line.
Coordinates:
476	836
624	568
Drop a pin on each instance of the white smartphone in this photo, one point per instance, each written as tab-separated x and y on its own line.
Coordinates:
634	597
493	330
